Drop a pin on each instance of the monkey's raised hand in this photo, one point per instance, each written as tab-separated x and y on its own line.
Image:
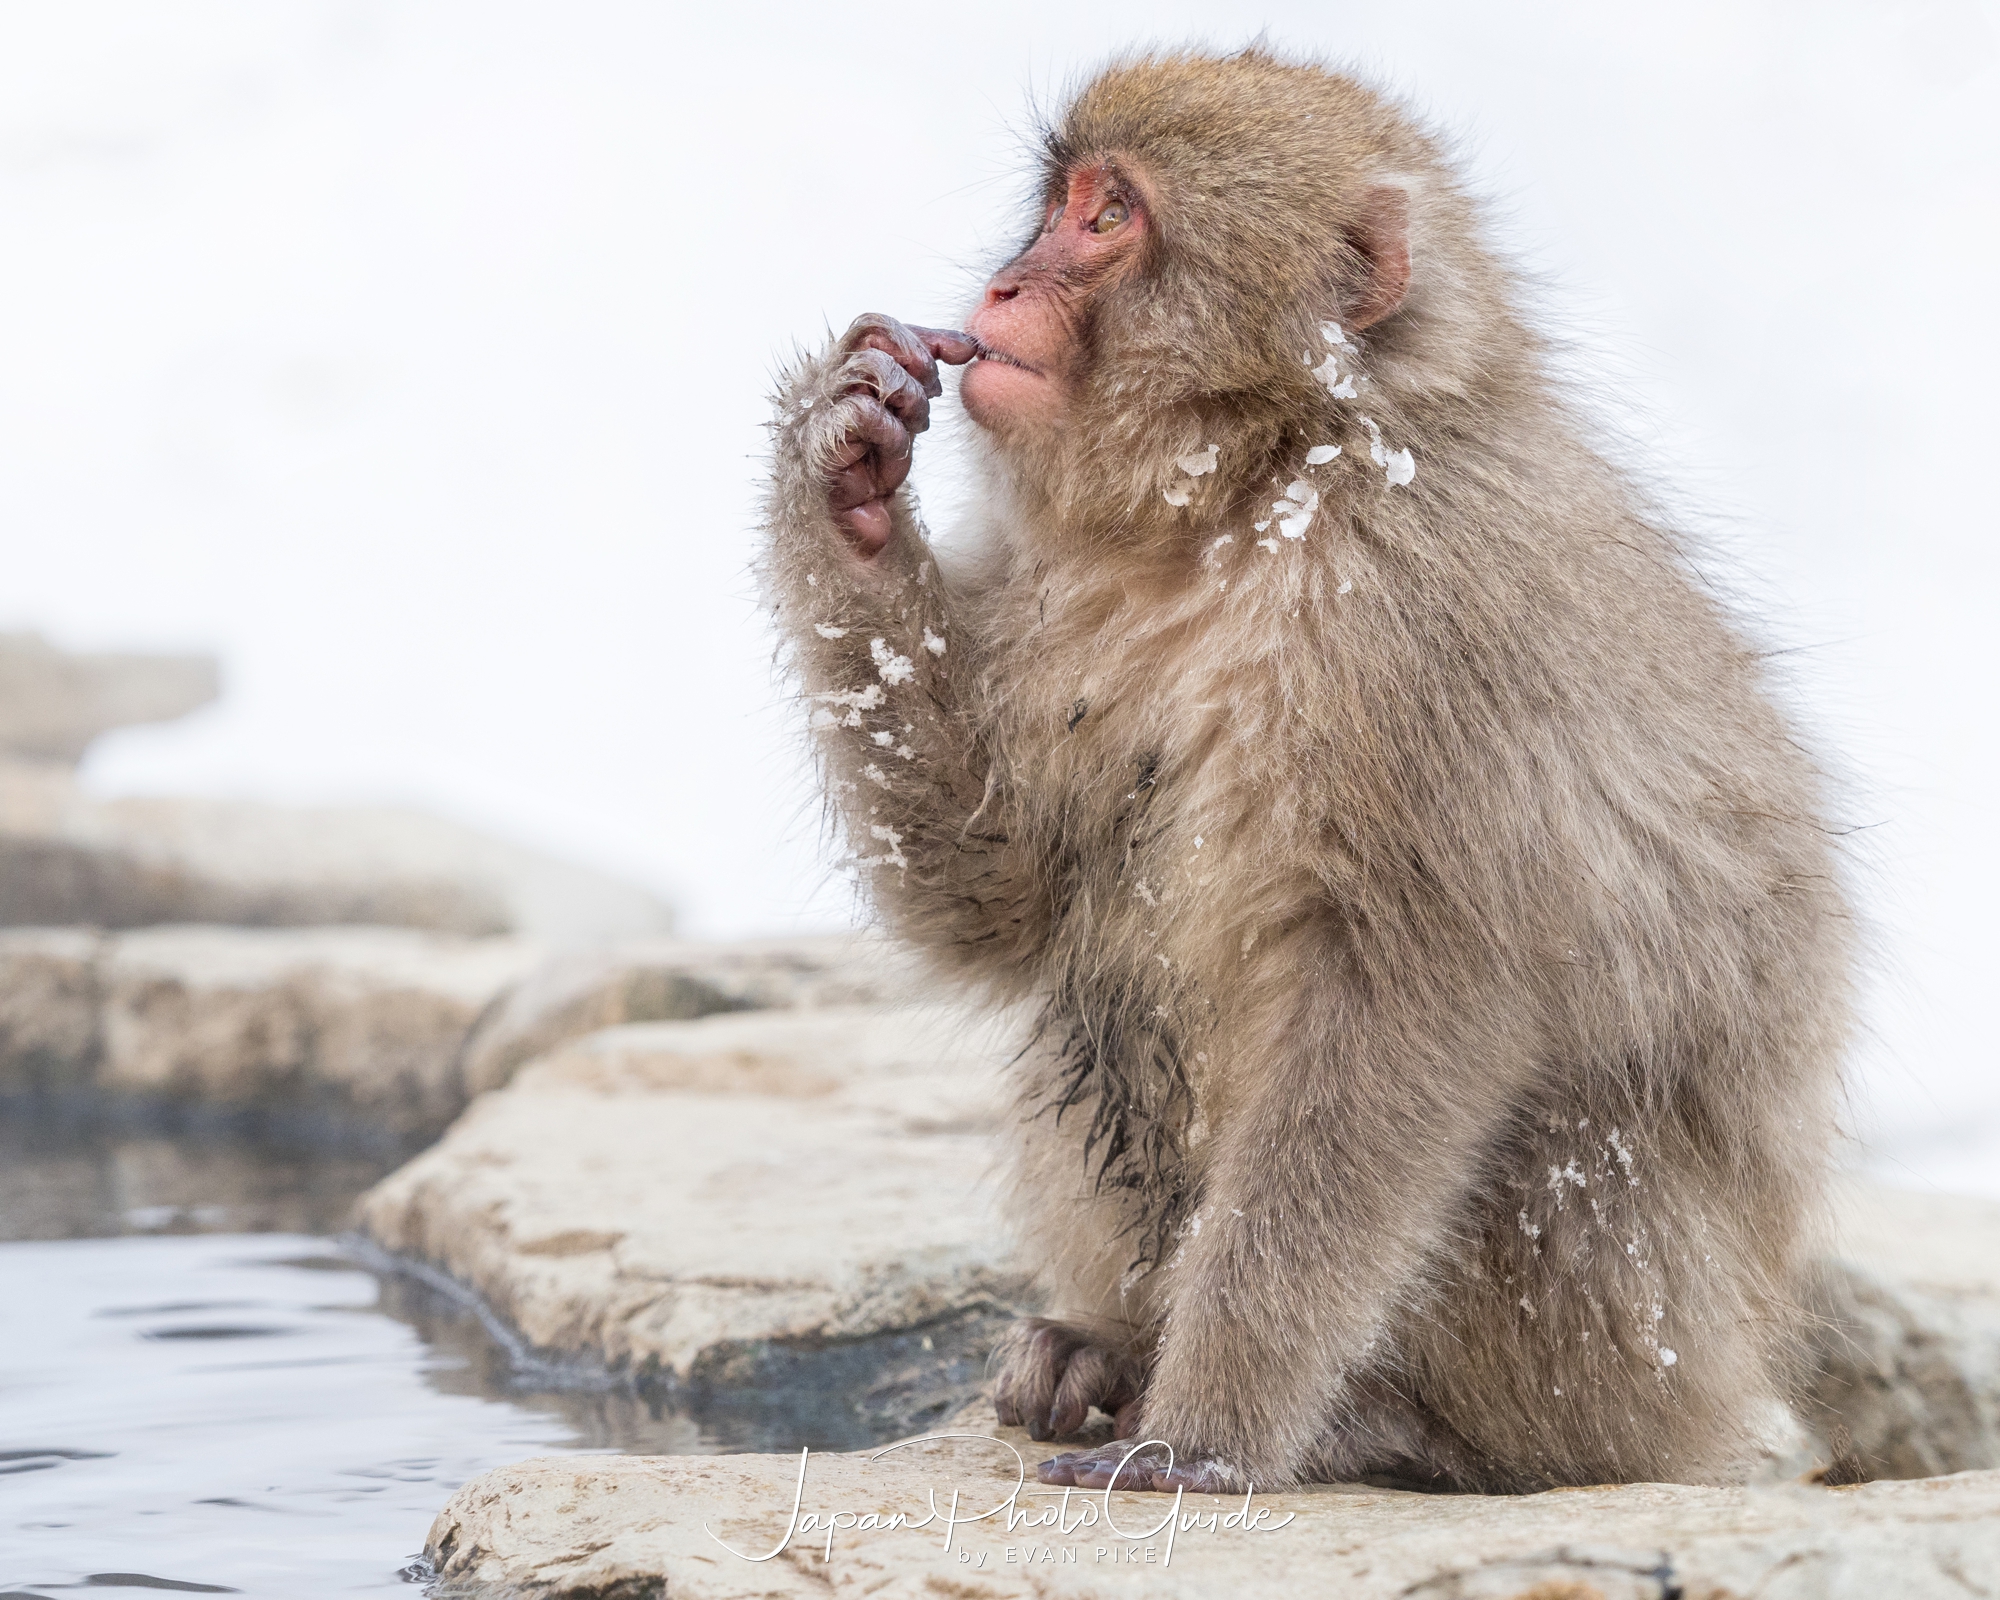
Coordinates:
872	396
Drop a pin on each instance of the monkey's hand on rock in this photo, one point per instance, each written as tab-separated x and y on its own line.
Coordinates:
1051	1374
861	407
1123	1464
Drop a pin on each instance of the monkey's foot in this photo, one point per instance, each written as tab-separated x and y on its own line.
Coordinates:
1051	1374
1152	1465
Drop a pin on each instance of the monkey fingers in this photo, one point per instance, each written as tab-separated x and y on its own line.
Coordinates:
872	372
917	350
870	455
1094	1376
1052	1374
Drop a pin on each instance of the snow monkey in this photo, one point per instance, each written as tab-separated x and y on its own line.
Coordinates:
1440	966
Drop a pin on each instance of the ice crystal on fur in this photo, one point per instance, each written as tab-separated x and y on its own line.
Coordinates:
894	669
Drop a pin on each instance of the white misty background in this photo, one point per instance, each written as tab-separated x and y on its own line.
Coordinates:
412	357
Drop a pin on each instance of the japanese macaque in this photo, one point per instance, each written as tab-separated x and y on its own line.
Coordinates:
1441	970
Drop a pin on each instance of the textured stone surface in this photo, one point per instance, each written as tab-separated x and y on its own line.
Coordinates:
330	1033
632	1528
364	1019
734	1202
662	980
380	1033
1909	1358
48	1008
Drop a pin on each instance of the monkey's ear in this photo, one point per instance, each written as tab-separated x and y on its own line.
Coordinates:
1381	235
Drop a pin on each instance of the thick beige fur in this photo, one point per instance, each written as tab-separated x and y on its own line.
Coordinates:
1443	970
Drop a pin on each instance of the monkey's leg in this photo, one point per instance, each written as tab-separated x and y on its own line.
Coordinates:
881	652
1383	1435
1052	1373
1356	1135
1620	1314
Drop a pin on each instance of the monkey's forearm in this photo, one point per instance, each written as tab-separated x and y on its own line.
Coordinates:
873	646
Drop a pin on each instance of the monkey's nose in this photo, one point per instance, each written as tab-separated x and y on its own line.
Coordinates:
997	292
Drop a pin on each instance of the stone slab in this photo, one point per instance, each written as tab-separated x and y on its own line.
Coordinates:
390	1030
369	1020
664	980
49	1008
703	1203
635	1528
68	857
1908	1356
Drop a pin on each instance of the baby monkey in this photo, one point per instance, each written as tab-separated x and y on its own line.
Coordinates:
1441	969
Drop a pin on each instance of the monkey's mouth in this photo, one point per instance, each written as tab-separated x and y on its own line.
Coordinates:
986	352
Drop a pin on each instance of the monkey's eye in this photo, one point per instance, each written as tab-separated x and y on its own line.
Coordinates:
1112	216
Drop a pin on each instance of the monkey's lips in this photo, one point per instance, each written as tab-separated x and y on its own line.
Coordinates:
988	353
1000	388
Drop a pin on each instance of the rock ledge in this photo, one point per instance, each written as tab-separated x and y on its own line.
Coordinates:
642	1528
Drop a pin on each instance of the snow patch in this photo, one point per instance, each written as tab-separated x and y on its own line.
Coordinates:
1328	373
865	699
1320	454
1202	461
1399	465
894	669
1295	511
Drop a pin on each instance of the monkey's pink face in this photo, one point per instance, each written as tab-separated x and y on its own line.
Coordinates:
1027	325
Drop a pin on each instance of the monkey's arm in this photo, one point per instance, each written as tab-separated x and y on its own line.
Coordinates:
873	642
1360	1123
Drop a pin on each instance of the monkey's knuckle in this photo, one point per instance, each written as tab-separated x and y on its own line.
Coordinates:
874	329
873	370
